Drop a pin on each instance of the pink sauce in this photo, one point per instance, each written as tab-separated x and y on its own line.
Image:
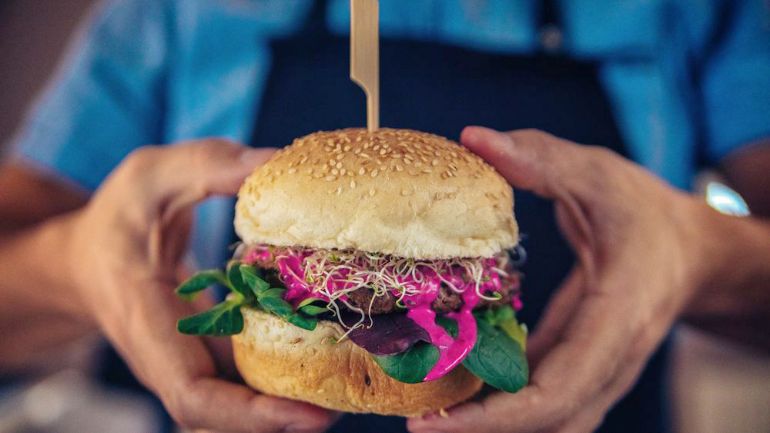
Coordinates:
452	351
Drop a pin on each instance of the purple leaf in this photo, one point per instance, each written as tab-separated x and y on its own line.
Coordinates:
389	334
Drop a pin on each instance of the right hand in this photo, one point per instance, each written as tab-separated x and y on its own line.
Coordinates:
125	254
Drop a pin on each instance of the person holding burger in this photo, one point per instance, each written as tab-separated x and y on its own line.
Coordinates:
96	224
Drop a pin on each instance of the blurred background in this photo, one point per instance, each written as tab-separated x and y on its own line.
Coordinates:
716	386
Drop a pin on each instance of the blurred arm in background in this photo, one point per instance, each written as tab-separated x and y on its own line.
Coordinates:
733	70
735	304
95	223
38	317
102	103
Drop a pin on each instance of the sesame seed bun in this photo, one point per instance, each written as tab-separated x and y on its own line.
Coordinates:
280	359
392	191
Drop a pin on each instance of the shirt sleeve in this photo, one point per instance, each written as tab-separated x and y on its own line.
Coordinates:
736	79
106	98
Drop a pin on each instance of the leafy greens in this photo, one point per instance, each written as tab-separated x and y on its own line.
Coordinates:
398	345
497	358
247	288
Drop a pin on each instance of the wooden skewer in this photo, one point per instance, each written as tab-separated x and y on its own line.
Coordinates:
365	55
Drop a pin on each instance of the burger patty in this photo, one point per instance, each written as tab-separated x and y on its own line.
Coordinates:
447	300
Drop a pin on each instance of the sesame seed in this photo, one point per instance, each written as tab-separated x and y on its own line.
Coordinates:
372	192
383	152
399	168
329	178
434	162
362	171
375	172
427	170
335	171
346	148
340	156
291	170
342	172
339	190
318	175
352	183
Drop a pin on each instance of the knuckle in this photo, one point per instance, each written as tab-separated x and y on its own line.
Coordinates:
141	158
643	345
180	409
598	158
200	153
534	133
540	137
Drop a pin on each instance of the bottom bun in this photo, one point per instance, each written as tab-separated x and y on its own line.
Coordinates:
283	360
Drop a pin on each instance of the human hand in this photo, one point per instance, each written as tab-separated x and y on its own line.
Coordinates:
637	244
125	254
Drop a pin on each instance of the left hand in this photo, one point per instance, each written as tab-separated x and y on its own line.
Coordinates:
639	264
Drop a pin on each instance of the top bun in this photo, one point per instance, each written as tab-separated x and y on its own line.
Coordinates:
392	191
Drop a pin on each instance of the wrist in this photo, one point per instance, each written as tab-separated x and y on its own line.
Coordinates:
730	255
57	238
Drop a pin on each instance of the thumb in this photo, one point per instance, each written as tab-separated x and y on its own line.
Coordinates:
170	178
527	159
189	172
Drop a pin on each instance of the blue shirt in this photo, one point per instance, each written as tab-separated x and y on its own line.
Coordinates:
687	79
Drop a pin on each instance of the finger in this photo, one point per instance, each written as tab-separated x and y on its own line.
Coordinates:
574	371
214	404
180	370
527	159
182	175
558	313
592	416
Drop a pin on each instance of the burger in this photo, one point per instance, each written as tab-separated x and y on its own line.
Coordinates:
376	273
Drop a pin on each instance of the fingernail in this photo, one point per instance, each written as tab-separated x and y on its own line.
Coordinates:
470	135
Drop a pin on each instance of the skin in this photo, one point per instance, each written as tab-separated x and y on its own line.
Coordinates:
625	293
115	266
111	258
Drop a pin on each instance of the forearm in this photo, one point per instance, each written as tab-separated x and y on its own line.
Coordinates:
40	308
733	297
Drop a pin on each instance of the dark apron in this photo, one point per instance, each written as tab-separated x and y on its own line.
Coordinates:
440	89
